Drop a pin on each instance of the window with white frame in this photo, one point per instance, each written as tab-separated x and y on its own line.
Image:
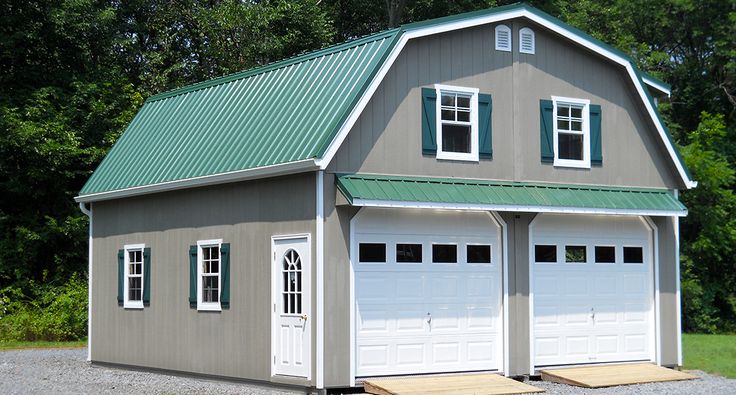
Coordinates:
208	274
133	292
571	132
526	41
457	125
503	38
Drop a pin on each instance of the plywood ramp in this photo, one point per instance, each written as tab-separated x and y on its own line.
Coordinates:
610	375
476	384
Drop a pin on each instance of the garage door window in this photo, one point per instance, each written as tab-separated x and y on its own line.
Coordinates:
633	255
575	254
545	253
479	253
409	253
372	252
605	254
444	253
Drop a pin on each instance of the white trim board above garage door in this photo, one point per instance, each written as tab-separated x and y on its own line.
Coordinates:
592	290
426	316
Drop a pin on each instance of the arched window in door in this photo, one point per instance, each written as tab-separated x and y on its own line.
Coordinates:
291	287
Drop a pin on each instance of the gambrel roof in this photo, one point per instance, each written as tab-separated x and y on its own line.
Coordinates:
292	116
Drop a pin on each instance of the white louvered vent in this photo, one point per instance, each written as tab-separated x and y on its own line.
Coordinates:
526	41
503	38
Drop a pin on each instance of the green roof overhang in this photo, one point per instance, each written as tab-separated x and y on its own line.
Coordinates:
465	194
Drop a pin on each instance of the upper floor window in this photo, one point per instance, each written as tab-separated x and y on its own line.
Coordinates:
208	273
571	132
457	125
503	38
526	41
133	269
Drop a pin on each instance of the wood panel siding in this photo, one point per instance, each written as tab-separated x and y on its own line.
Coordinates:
387	136
169	334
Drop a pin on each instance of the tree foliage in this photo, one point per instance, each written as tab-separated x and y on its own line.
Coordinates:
74	72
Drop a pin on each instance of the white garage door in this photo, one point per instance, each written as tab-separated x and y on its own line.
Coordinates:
592	289
427	292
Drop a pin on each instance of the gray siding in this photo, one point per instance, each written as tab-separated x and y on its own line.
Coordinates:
387	136
169	334
667	290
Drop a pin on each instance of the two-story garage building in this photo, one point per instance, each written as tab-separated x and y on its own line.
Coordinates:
492	191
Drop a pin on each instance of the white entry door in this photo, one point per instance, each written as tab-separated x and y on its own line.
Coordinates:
592	286
427	292
291	302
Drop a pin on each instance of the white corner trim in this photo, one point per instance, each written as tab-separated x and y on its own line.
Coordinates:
88	213
320	313
505	269
678	296
487	19
530	284
500	207
351	285
222	178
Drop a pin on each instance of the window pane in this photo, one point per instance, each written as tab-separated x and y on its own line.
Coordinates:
409	253
444	253
463	116
448	115
479	254
576	112
298	304
605	254
575	254
576	126
448	100
372	252
563	124
570	146
633	255
545	253
215	253
215	267
205	253
563	110
456	138
292	303
463	101
299	281
285	307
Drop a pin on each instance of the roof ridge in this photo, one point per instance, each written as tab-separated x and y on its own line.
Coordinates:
286	62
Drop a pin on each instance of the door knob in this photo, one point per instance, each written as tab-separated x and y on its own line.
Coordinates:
429	318
304	317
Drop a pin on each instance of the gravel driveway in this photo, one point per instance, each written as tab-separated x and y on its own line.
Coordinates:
65	371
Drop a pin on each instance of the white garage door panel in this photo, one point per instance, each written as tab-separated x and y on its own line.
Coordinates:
592	312
427	317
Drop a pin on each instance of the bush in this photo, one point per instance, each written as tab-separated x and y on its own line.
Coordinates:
47	312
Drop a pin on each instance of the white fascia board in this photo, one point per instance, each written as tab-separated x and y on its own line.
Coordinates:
222	178
523	209
406	36
656	85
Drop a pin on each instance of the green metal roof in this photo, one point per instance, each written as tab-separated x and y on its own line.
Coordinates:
382	190
282	113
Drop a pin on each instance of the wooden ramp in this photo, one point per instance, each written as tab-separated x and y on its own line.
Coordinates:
610	375
476	384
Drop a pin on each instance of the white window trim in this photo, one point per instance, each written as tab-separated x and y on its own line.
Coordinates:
534	44
208	306
127	303
472	156
508	31
581	164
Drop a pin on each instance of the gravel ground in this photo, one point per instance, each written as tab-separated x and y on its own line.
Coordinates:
65	371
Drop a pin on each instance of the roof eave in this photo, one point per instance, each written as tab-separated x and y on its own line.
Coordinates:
300	166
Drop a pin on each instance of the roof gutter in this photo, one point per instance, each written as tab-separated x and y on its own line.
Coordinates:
222	178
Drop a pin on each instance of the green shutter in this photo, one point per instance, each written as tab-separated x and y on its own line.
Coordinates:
429	121
596	148
546	131
121	276
146	276
485	136
225	279
193	276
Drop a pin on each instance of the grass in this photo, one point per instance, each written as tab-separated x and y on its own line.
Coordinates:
20	345
714	354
